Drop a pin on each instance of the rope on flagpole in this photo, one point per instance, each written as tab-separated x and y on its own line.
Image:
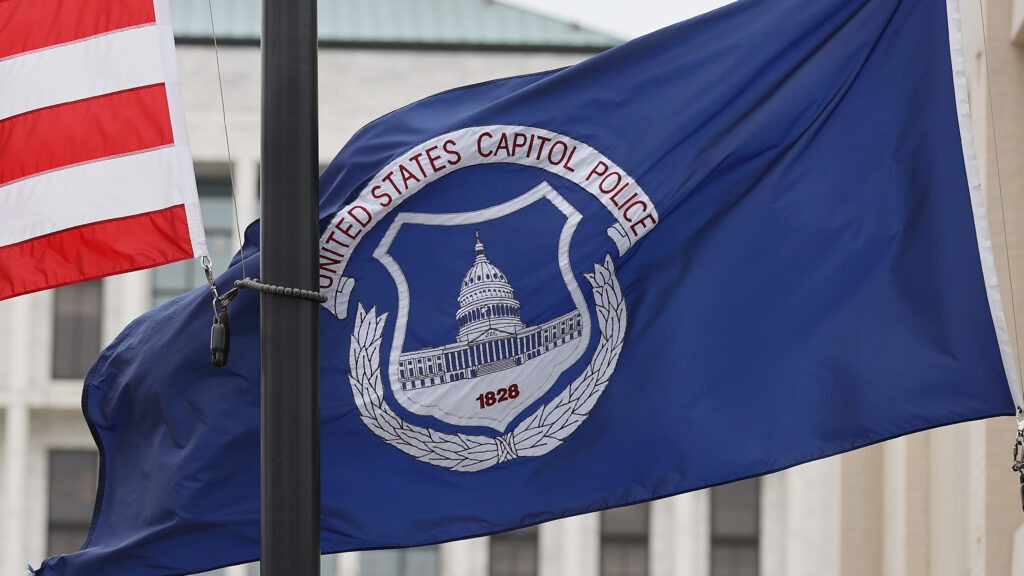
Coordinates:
999	192
258	286
1018	447
227	140
220	332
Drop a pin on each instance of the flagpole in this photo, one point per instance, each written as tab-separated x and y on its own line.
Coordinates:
289	343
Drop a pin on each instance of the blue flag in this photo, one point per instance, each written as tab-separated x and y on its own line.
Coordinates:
741	243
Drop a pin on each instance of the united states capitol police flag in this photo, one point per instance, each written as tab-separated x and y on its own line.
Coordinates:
744	242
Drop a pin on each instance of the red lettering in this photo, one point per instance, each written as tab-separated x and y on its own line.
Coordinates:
329	282
492	397
600	169
604	185
618	192
353	211
347	230
390	179
433	157
543	142
551	153
503	144
639	203
407	176
327	265
335	252
450	146
416	159
642	222
376	193
479	145
331	238
518	141
569	159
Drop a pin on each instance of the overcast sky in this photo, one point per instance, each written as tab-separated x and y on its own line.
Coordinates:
624	19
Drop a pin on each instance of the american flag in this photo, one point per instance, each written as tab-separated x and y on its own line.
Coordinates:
96	174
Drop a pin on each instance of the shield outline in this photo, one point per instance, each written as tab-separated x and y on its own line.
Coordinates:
380	253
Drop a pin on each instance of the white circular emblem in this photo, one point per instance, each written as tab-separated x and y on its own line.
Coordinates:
551	424
498	365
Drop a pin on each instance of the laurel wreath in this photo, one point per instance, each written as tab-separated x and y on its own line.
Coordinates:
543	431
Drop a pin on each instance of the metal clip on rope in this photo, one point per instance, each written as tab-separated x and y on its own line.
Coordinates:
1018	461
220	332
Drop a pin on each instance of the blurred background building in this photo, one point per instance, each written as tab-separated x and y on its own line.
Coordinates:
941	503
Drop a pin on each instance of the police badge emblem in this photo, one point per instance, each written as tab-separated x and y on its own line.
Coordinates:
492	362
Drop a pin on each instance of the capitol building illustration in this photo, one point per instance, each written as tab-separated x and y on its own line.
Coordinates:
491	338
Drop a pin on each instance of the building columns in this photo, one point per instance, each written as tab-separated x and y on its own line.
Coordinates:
906	503
347	564
16	428
994	497
245	174
464	557
570	546
950	512
123	298
811	525
773	523
16	425
680	535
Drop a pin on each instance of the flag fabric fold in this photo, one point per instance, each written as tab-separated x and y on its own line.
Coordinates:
95	170
747	241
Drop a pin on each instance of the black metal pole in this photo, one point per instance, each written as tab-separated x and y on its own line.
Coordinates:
289	339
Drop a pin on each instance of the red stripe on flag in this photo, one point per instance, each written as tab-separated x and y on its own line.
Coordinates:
95	250
66	134
27	25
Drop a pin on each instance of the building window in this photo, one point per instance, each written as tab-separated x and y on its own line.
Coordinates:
76	328
624	538
218	219
514	553
422	561
735	528
72	492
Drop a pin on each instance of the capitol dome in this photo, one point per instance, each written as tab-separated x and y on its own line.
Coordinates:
487	304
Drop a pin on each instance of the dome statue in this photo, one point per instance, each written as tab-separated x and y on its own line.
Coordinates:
492	340
487	304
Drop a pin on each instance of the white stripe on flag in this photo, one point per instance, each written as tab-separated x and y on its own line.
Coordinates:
77	70
179	126
88	193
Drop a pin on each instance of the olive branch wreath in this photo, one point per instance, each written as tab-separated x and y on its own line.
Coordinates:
546	429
